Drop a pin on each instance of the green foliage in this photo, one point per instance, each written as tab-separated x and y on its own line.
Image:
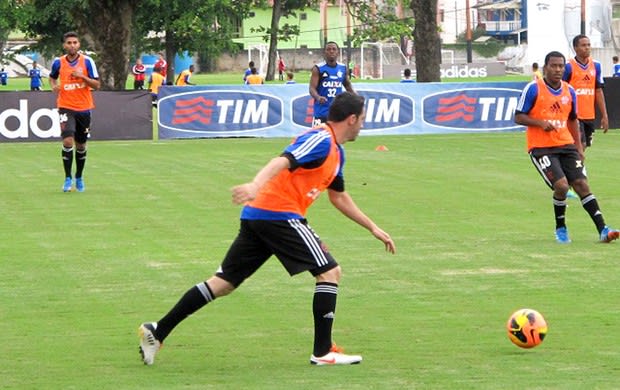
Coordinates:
377	23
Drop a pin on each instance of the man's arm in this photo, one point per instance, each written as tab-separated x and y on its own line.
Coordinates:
347	82
599	100
345	204
247	191
314	82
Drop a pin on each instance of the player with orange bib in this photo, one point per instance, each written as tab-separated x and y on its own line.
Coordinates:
72	77
585	75
548	107
273	223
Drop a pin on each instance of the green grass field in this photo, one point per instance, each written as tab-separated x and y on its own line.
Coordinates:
471	219
235	78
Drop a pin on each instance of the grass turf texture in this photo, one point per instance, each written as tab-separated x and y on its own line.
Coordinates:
473	227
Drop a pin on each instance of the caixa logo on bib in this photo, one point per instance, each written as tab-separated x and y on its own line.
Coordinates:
472	109
384	110
20	123
217	112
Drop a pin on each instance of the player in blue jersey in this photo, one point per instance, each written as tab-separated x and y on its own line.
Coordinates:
328	79
35	77
4	76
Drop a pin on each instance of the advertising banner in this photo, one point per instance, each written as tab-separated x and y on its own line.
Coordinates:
32	116
284	110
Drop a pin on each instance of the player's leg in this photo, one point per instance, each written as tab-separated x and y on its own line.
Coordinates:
300	249
244	257
82	131
548	165
67	132
576	175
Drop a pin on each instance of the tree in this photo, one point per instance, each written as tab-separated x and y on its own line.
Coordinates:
426	40
103	27
276	33
196	26
9	10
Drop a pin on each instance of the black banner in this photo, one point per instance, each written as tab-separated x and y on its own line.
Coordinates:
118	115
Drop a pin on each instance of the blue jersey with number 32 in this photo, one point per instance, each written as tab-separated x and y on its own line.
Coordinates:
331	79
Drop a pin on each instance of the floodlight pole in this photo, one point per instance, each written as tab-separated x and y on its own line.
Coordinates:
583	17
468	34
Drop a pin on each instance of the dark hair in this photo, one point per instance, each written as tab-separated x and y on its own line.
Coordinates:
69	34
344	105
578	38
615	58
251	64
554	54
332	43
407	72
253	70
535	65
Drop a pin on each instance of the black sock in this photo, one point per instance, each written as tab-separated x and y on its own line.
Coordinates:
559	209
590	204
67	160
195	298
80	161
324	308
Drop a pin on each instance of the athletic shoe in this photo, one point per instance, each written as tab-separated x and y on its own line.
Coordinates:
608	234
79	184
149	345
67	186
335	356
561	235
572	194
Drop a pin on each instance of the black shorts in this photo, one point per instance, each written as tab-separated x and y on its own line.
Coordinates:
74	124
555	163
293	242
586	129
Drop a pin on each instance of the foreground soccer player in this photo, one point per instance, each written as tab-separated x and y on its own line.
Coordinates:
273	223
549	110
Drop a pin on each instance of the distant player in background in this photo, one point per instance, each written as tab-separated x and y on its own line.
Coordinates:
407	76
536	73
329	79
4	76
184	77
290	78
35	77
155	82
616	67
281	68
163	65
584	73
138	71
548	108
73	76
248	71
254	77
273	223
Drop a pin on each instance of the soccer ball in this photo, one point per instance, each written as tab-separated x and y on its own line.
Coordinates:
526	328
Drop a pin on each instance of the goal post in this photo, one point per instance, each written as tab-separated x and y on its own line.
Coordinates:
375	56
259	53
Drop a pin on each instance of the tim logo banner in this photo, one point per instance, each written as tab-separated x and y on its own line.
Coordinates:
472	109
384	110
216	113
286	110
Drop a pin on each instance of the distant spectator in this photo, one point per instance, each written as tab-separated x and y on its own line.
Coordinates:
184	77
290	78
248	71
4	76
281	68
163	64
35	77
616	66
536	73
138	71
407	76
254	78
155	82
